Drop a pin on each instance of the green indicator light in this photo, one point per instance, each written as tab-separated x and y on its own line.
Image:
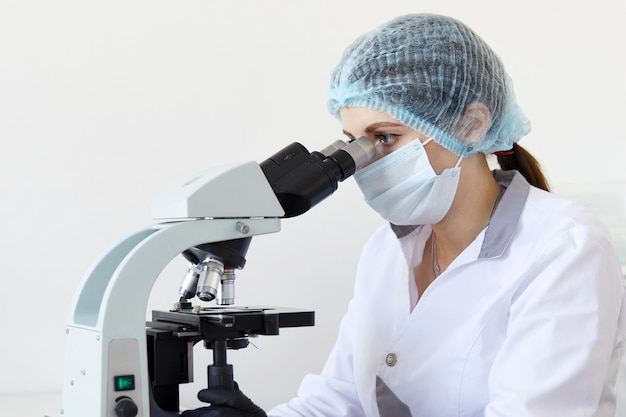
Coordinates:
124	382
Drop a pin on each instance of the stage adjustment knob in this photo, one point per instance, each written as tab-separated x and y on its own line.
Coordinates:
126	407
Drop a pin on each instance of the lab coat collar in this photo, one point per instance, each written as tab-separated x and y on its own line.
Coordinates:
505	218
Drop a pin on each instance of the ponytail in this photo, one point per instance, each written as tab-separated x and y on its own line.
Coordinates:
521	160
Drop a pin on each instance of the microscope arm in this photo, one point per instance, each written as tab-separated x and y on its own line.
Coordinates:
106	352
106	336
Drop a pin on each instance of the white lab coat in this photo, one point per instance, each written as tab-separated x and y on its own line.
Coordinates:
527	321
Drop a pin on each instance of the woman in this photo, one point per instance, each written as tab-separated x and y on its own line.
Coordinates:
485	295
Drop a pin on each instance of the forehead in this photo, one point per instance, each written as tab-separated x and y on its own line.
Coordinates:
358	121
362	115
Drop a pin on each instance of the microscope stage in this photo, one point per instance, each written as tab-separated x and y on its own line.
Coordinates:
212	323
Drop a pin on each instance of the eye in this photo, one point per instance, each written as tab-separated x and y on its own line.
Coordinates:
386	138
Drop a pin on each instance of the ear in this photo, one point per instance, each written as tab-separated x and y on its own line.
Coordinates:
474	123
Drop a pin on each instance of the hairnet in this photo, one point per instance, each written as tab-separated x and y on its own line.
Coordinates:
424	70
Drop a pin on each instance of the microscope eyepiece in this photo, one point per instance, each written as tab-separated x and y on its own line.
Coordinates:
361	151
335	146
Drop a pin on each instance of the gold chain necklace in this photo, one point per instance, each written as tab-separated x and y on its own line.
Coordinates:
435	261
433	238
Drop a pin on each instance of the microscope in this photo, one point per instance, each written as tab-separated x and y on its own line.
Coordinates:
119	365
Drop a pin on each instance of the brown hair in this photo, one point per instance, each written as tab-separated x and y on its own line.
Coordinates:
520	159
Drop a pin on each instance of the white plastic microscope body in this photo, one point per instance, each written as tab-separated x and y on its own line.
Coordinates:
106	352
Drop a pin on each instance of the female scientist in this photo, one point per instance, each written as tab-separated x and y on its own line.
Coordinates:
485	295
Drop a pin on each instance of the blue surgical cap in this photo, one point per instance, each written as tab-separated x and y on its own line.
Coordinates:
424	70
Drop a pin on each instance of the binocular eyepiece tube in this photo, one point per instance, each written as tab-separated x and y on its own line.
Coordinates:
299	179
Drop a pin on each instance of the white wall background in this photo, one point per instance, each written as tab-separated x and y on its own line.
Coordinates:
103	105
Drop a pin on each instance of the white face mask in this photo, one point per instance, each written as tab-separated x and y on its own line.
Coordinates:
403	188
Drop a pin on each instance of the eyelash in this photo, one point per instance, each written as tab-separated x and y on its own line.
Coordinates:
386	138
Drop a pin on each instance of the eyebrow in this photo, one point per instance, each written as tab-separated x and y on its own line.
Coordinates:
377	125
374	126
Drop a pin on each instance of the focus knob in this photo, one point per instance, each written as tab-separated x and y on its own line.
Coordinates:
126	407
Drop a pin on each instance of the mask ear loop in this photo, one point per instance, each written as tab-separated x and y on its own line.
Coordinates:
430	140
427	141
469	148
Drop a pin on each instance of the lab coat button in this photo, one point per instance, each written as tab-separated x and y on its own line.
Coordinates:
391	359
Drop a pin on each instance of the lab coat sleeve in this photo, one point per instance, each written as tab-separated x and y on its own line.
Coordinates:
332	393
565	330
